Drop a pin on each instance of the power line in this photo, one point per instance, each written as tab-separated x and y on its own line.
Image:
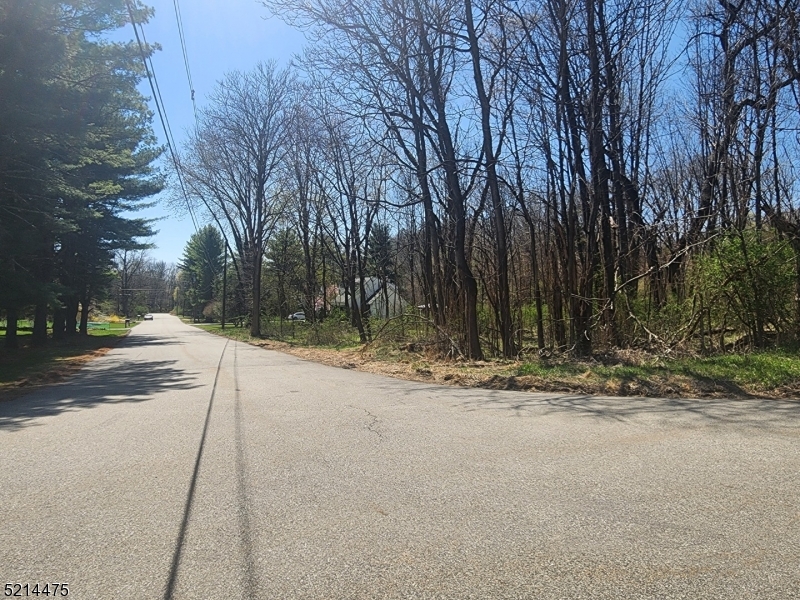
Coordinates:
182	36
160	99
162	113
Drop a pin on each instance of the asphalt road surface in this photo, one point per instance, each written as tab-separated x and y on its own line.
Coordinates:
183	465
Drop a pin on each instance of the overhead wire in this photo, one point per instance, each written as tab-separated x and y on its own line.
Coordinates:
162	112
186	62
160	100
182	36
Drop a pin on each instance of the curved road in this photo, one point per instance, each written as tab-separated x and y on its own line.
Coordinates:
182	465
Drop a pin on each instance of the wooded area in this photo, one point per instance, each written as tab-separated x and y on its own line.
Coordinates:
555	174
516	176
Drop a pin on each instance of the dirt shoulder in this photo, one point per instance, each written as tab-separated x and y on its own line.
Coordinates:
623	374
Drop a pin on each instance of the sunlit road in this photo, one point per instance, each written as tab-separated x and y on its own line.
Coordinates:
181	465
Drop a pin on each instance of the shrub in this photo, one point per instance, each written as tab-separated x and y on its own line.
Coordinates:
748	281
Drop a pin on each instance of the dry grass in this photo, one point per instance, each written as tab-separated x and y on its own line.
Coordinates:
622	373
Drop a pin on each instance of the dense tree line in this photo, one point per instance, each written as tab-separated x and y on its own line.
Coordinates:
76	157
568	174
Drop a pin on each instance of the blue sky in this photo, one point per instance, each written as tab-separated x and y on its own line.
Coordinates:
221	36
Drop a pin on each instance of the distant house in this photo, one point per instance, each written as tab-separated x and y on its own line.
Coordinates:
382	301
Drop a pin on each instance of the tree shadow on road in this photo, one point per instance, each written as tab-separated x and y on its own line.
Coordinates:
757	412
133	341
117	381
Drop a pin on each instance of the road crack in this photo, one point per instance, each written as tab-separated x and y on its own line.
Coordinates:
374	420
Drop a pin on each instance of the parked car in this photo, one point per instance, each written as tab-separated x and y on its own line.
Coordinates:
148	317
298	316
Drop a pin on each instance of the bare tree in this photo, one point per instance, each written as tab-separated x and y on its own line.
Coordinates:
301	165
410	46
233	165
129	264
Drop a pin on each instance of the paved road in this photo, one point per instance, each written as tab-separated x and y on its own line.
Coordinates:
182	465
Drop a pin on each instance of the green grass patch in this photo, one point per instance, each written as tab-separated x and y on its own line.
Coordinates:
113	332
20	332
241	334
328	334
762	371
627	372
549	370
210	326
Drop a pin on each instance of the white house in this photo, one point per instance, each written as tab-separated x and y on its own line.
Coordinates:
383	301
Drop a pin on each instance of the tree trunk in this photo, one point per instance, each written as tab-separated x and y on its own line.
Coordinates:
59	323
600	195
84	328
557	310
255	313
503	299
40	324
310	281
573	246
11	328
71	316
469	286
537	289
796	247
432	253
